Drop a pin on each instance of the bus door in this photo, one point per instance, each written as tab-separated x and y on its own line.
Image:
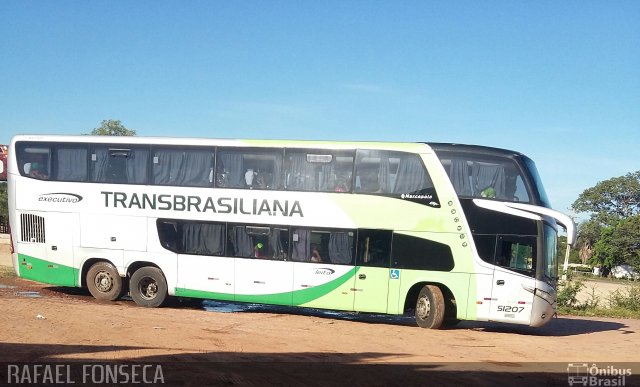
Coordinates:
514	273
373	259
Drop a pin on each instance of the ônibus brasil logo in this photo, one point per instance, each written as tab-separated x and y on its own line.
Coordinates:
59	197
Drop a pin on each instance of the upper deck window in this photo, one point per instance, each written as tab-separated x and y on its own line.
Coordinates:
183	167
115	164
320	170
249	168
388	172
489	177
34	160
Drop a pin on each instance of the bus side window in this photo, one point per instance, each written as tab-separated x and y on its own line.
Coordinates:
168	235
258	242
374	248
517	253
119	165
71	163
393	173
182	167
249	168
34	161
323	246
318	170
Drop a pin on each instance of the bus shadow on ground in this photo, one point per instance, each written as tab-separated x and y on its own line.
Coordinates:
215	368
560	326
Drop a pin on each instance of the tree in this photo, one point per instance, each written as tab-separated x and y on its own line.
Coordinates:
611	236
4	211
588	235
611	200
112	128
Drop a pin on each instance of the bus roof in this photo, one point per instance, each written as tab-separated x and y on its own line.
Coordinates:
415	147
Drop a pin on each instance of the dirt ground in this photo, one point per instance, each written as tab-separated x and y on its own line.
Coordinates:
286	346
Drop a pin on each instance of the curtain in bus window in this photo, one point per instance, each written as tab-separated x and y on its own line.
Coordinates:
72	164
230	172
177	167
276	181
411	176
276	249
384	173
136	166
300	173
327	177
203	238
100	166
339	248
459	175
242	242
301	250
128	166
487	176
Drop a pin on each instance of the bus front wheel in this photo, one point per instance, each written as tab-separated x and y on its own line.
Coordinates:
104	282
430	307
148	287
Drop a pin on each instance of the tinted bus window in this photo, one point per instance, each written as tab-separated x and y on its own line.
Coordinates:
391	173
318	170
258	242
34	160
322	246
249	168
183	167
374	248
71	163
119	164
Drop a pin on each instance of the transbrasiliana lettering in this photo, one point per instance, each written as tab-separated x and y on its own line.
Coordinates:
221	205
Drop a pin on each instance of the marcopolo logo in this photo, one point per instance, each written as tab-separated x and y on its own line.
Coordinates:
59	197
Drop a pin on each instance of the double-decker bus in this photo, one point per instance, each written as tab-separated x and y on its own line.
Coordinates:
449	232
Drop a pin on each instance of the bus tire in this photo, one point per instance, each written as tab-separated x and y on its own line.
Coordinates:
148	287
430	307
104	282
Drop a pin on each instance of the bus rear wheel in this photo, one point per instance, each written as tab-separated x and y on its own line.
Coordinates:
430	307
104	282
148	287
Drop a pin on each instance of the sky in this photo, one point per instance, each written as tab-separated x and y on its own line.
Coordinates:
556	80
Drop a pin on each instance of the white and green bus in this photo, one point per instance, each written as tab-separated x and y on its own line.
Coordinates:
450	232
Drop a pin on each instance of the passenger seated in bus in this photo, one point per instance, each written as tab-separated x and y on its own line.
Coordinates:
36	170
315	254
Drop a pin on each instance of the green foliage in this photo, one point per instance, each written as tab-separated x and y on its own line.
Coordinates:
611	200
4	210
612	233
627	299
568	293
561	249
112	128
622	303
619	244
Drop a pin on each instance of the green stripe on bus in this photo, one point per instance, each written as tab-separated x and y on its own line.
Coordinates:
295	298
46	271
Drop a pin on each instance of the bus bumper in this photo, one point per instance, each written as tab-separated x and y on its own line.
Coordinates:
544	308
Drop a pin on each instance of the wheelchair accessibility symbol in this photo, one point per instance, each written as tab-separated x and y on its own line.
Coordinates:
394	273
